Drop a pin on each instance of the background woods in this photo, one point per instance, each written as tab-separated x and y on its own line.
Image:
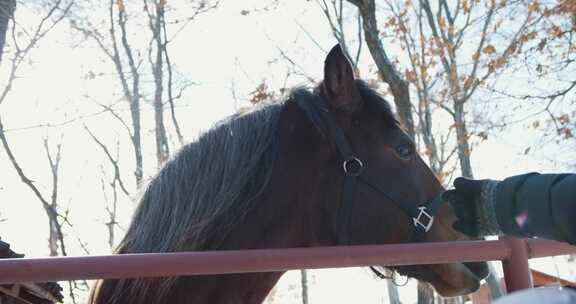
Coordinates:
96	96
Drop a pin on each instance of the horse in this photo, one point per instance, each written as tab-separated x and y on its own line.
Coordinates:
325	166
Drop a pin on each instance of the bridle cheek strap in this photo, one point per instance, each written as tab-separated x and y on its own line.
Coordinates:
422	216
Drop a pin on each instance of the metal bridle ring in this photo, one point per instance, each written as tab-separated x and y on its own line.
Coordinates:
353	166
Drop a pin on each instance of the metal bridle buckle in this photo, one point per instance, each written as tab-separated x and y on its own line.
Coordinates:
428	219
353	166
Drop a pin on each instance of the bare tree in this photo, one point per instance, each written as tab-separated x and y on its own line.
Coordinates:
448	66
548	56
111	210
20	50
115	184
434	39
54	15
304	285
386	69
55	235
118	49
160	41
125	55
334	12
425	293
157	25
170	85
7	9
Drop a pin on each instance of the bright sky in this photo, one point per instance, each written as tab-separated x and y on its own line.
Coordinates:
221	50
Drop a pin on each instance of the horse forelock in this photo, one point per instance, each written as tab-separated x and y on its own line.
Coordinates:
376	102
313	105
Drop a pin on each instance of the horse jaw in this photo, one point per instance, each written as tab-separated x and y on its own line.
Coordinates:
449	280
455	279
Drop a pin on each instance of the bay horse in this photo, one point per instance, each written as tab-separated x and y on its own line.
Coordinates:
329	166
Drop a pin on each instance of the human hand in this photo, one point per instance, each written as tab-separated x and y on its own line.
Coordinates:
465	199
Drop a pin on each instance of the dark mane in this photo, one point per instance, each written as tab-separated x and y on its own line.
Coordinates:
201	194
214	177
376	102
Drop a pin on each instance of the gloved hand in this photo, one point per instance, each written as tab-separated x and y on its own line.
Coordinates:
473	203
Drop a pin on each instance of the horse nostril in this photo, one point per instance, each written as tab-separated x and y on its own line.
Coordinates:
479	269
473	287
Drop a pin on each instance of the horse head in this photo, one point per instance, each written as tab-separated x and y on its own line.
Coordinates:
326	167
371	186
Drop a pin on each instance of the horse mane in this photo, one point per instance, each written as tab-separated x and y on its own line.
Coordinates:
200	195
206	189
375	102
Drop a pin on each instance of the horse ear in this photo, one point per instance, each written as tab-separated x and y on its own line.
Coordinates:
339	84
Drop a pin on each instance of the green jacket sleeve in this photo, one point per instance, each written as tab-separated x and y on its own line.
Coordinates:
538	205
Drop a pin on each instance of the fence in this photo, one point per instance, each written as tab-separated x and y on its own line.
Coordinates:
514	253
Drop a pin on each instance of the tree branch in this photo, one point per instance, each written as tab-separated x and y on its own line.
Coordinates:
170	85
386	70
112	160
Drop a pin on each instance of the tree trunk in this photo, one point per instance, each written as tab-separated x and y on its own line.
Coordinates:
425	293
7	8
136	138
162	151
386	70
454	300
55	231
425	122
493	283
134	96
53	235
393	296
304	284
462	137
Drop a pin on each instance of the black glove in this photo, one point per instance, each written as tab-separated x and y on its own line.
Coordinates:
463	198
473	203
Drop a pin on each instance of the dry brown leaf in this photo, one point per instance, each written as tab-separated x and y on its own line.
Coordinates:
489	49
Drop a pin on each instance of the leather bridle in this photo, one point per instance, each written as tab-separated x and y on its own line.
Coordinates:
422	216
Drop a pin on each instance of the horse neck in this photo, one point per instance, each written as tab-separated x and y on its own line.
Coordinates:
225	289
286	215
284	229
290	212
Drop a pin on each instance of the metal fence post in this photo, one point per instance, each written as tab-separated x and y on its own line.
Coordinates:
516	268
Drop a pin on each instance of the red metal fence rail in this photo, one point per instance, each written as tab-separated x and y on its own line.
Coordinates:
513	252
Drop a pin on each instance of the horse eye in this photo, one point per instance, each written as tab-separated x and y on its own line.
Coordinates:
405	151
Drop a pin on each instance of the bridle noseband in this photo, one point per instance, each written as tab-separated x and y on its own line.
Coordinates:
422	216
